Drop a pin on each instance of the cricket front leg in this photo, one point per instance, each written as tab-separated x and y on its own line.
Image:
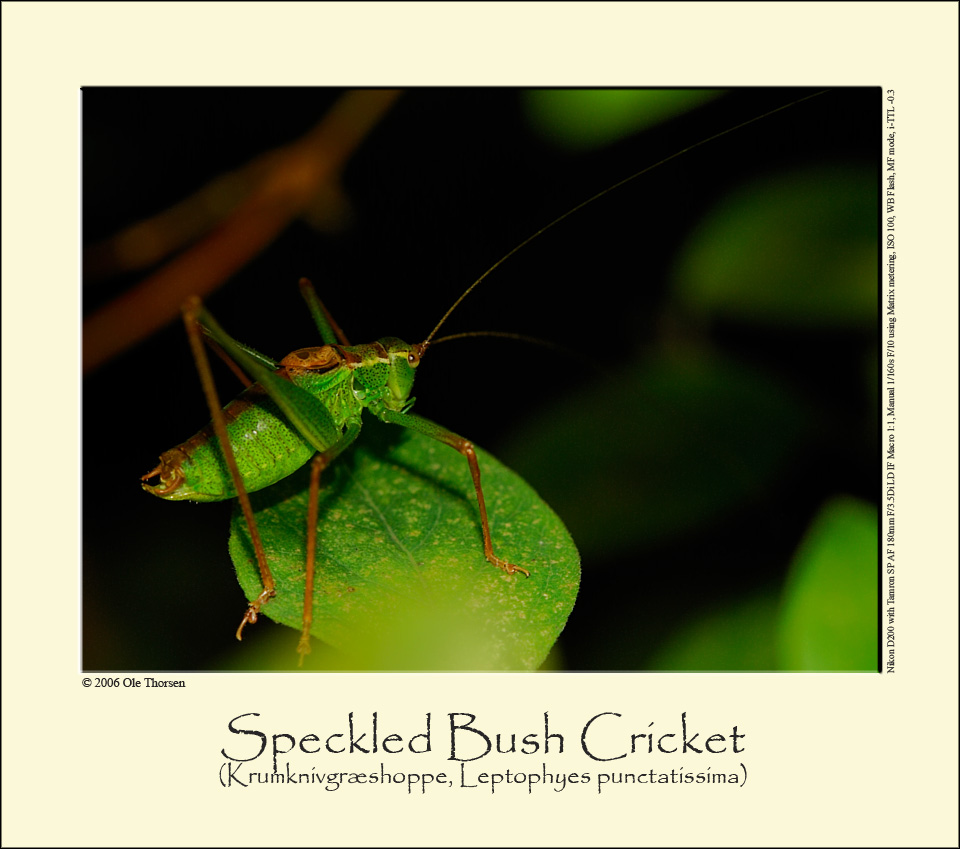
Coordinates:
464	447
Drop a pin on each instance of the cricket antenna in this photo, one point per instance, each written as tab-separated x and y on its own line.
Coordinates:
518	337
503	334
426	342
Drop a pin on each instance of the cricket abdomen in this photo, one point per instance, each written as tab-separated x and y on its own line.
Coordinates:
267	449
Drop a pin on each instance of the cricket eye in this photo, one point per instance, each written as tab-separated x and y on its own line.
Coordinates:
413	358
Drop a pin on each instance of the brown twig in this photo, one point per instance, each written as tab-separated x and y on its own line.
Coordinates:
292	177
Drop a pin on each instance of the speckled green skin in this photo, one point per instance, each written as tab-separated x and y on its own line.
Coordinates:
267	446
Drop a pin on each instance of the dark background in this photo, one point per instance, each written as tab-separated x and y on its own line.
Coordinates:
445	185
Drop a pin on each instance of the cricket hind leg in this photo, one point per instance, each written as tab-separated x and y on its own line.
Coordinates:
192	310
306	413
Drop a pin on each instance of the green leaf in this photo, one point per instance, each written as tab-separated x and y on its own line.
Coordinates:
796	250
829	618
582	119
662	447
736	638
402	582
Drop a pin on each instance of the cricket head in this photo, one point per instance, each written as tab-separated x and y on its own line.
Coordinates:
386	372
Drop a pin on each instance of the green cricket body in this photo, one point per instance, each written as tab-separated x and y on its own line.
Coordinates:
306	408
267	447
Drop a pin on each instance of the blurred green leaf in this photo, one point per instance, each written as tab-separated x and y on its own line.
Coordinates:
829	619
580	119
796	250
402	582
739	637
665	445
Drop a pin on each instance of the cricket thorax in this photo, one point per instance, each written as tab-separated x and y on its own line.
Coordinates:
381	373
324	358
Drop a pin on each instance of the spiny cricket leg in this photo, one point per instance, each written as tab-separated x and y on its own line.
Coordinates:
465	447
191	313
317	465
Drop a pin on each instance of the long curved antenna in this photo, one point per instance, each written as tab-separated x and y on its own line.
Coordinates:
523	337
502	334
599	195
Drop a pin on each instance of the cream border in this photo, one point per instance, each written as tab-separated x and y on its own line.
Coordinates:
84	767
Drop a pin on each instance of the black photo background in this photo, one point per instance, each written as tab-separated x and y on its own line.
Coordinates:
708	432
